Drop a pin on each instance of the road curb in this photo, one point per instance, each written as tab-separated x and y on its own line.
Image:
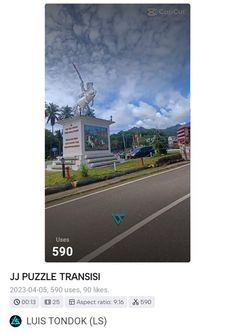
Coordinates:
95	186
91	180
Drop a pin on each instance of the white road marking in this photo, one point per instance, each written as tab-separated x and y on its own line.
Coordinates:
128	232
113	187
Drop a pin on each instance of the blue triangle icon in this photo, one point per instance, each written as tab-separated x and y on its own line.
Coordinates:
118	217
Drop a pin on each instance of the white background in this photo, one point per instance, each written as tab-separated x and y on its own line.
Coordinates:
194	297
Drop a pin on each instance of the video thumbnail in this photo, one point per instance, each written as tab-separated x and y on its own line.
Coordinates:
117	133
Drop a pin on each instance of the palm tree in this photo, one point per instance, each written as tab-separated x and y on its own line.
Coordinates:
90	113
59	139
52	113
66	112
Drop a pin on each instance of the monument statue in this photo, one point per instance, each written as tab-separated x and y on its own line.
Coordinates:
86	98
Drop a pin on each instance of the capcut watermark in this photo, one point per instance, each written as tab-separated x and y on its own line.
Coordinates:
155	11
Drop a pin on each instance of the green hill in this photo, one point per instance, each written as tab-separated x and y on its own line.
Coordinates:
146	137
170	131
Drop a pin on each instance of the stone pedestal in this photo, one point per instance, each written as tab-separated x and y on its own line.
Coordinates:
86	140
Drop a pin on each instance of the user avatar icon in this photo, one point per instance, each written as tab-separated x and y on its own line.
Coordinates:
15	321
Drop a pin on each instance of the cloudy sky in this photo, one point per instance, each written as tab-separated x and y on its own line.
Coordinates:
137	58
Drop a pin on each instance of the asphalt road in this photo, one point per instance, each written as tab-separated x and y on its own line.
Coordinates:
156	226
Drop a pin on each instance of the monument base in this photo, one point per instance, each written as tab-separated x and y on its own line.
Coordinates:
90	161
86	140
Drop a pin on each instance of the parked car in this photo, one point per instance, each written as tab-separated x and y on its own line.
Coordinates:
142	152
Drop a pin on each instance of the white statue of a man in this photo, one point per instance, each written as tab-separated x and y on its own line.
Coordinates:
86	98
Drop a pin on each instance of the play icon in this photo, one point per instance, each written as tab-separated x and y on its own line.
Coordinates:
118	217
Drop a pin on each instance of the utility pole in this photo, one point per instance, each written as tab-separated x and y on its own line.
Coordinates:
158	141
124	144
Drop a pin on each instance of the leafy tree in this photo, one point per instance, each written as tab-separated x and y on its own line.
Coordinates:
59	140
148	137
50	141
161	143
66	112
142	141
53	141
116	142
52	114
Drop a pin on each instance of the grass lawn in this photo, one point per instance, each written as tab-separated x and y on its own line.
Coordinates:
55	177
